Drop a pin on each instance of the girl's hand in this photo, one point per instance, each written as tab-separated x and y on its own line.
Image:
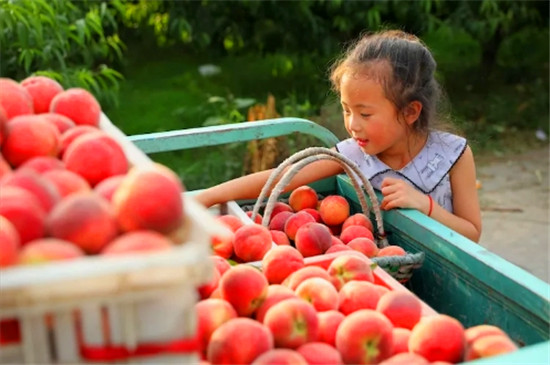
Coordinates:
400	194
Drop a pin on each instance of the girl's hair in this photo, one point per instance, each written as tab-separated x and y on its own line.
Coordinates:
403	65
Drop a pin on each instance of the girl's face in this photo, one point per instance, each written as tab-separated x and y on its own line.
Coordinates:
369	117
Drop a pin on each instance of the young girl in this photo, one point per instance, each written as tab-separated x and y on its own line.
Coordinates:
389	98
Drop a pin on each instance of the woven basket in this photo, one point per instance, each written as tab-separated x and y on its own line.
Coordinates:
399	267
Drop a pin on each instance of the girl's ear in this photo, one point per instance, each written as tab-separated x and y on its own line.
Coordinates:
412	112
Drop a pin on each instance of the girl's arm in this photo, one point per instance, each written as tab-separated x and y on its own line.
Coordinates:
250	186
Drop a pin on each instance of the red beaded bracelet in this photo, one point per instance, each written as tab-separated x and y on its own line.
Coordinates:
431	205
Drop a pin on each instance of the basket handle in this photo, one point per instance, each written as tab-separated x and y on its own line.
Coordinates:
307	156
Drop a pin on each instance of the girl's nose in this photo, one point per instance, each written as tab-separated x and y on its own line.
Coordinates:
354	123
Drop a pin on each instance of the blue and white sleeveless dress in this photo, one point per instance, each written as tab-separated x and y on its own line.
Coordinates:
427	172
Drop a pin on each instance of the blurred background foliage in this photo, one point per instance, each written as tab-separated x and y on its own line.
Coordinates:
161	65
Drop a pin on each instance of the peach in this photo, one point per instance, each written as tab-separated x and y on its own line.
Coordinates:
438	338
347	268
61	122
44	190
328	325
314	213
42	90
137	242
77	104
149	199
313	239
231	221
206	290
280	357
85	219
297	277
238	341
334	210
41	164
358	219
71	134
365	337
220	263
28	136
223	245
277	223
475	332
14	99
211	314
401	340
293	322
257	219
279	238
353	232
281	261
245	287
488	346
279	207
355	295
320	293
3	123
275	294
364	245
95	156
391	250
402	308
407	358
252	242
48	249
303	197
107	187
295	221
5	168
66	182
338	247
9	243
24	211
320	353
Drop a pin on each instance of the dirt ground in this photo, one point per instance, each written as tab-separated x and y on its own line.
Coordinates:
514	197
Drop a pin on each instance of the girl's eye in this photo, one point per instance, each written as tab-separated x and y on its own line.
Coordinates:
365	115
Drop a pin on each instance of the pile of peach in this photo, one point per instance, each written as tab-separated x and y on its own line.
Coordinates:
67	188
296	311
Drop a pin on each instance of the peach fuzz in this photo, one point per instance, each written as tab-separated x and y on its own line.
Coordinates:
320	353
297	277
313	239
281	261
358	219
61	122
488	346
223	245
277	223
45	250
320	293
95	156
280	357
44	190
438	338
29	136
220	263
407	358
149	199
293	322
252	242
107	187
365	337
71	134
295	221
347	268
334	210
42	90
67	182
230	221
356	295
24	211
401	340
14	99
137	242
238	341
279	207
245	287
402	308
391	250
275	294
9	243
353	232
303	197
475	332
211	314
328	325
77	104
85	219
364	245
41	164
279	238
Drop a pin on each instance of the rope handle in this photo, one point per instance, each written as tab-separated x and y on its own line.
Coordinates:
305	157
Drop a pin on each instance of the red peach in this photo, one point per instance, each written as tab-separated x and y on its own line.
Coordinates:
230	221
24	211
364	245
281	261
391	250
334	210
67	182
313	239
107	187
295	221
5	168
303	197
44	190
275	294
223	245
320	353
137	242
314	213
297	277
61	122
438	338
365	337
245	287
402	308
252	242
406	358
488	346
211	314
279	207
9	243
293	322
358	219
42	90
475	332
3	123
338	247
277	223
347	268
279	238
280	357
206	290
328	325
14	99
41	164
238	341
335	230
320	293
71	134
220	263
257	219
48	249
77	104
355	295
401	340
353	232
